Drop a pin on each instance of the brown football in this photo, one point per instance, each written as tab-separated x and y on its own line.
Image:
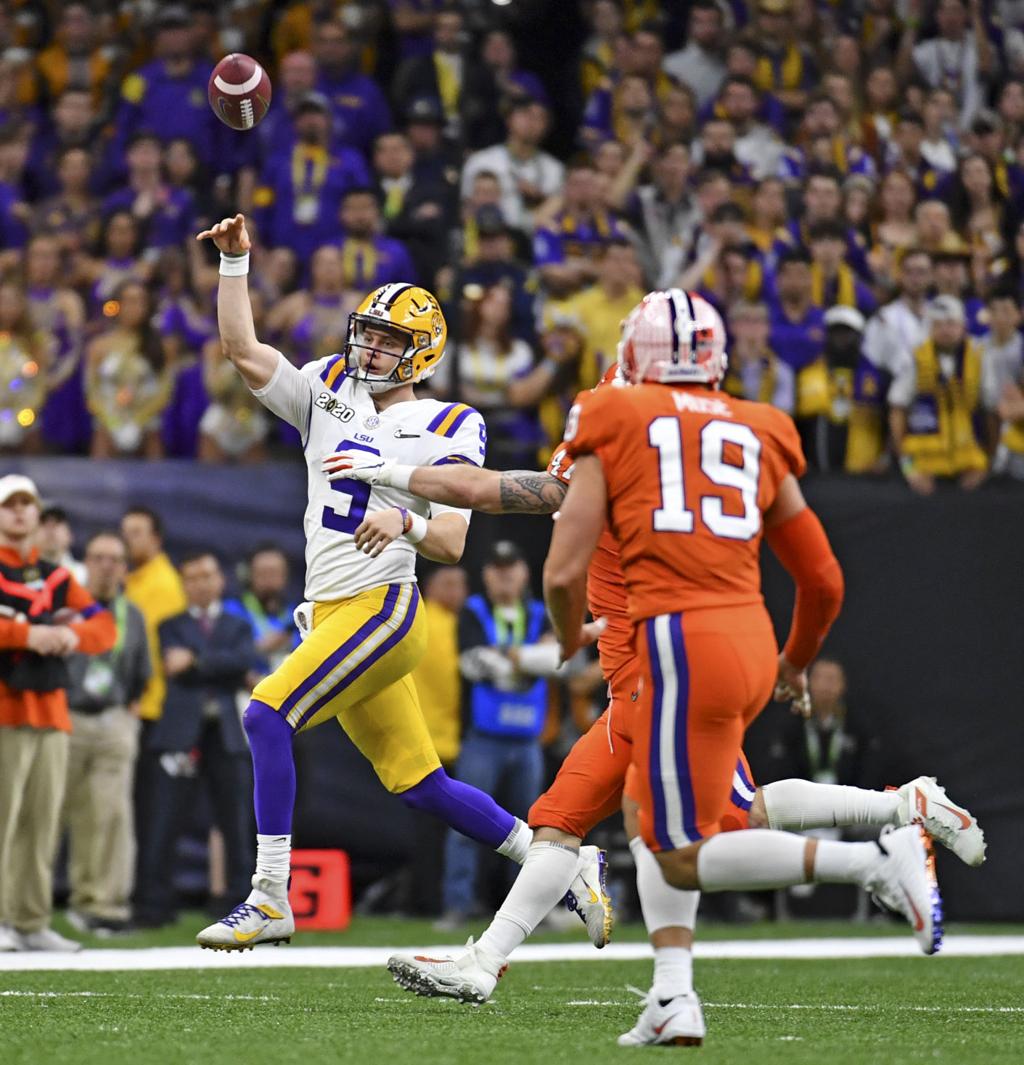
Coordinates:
239	91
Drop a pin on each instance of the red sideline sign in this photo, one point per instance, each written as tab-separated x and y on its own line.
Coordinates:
321	890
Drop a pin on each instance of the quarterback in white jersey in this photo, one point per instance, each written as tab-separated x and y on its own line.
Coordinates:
334	411
364	630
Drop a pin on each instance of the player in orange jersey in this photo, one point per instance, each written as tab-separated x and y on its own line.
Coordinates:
689	481
589	784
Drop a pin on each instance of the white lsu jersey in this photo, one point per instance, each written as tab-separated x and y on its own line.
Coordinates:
335	413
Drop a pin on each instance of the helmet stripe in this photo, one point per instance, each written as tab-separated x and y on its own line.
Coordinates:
396	290
673	314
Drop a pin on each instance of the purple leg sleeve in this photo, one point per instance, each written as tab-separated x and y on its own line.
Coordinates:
273	768
466	809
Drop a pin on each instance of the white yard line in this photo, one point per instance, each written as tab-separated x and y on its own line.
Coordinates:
371	957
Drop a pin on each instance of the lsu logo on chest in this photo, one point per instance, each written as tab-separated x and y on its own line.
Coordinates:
333	406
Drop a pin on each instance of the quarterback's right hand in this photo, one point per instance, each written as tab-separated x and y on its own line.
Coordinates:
229	234
358	466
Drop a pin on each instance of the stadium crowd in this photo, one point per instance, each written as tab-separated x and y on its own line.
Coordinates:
843	181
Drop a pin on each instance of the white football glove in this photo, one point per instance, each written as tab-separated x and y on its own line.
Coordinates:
358	466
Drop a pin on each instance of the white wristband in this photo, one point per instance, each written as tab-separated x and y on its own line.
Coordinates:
397	476
417	528
234	265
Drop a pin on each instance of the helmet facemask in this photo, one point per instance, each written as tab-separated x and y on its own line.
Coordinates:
359	353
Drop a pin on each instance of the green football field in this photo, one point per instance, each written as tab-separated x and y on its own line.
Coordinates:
893	1010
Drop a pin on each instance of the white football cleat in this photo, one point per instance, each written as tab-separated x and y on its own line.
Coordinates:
264	917
923	801
676	1021
46	939
9	939
588	896
463	978
903	880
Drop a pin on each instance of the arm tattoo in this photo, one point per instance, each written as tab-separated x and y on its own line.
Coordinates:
529	492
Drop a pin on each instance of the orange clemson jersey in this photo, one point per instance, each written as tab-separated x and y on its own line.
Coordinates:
606	587
690	473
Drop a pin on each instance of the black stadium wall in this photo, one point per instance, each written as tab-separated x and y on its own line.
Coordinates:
931	635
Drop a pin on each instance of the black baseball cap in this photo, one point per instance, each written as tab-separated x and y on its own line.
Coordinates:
504	553
425	110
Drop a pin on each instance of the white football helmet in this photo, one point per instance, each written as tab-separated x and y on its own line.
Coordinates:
673	337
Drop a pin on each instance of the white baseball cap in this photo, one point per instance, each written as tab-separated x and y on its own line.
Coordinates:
945	309
843	315
18	484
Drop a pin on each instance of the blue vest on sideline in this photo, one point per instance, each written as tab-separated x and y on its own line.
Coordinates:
503	713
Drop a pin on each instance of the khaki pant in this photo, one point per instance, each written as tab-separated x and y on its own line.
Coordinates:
98	812
33	766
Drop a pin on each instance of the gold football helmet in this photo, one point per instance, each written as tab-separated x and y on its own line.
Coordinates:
408	312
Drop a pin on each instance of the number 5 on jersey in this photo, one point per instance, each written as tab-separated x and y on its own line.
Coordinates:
356	497
665	435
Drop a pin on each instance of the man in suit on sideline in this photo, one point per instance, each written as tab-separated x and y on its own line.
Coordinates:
206	654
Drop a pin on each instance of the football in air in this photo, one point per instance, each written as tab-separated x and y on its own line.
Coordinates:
239	91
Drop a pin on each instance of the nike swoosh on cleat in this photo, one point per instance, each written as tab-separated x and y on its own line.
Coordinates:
245	937
433	961
918	919
965	822
660	1028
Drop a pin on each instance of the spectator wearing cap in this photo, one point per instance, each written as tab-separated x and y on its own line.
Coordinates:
103	697
457	76
527	174
755	372
368	258
298	199
54	540
505	654
417	213
960	56
154	586
933	401
207	654
358	107
296	78
566	246
701	64
491	262
435	159
166	215
168	96
45	614
840	403
1002	378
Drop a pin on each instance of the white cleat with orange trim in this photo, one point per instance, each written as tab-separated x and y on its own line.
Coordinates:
923	801
264	917
903	880
676	1021
466	978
